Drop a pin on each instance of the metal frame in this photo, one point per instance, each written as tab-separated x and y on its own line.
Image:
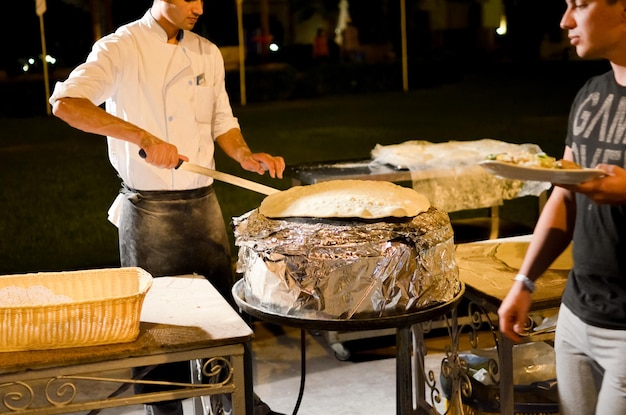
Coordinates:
410	348
59	388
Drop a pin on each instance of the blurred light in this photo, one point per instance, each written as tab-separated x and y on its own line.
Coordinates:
274	47
502	29
31	64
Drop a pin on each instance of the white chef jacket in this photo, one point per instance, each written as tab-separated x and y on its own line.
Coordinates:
176	92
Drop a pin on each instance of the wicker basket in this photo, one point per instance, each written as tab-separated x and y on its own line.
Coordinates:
96	307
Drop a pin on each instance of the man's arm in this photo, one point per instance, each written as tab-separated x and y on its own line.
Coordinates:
234	145
82	114
552	234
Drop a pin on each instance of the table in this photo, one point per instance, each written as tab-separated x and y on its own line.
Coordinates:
410	380
487	268
183	319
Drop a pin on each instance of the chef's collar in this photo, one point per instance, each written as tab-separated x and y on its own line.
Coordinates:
150	22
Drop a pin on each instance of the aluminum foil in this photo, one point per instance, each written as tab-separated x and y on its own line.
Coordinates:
346	269
448	174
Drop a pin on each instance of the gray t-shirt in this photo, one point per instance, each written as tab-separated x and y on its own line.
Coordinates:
596	288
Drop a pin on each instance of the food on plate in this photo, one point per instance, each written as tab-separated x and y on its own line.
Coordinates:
540	160
567	165
325	262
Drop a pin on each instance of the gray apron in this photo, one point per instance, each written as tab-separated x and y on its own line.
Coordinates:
171	233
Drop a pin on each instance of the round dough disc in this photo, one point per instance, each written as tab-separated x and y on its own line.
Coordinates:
367	199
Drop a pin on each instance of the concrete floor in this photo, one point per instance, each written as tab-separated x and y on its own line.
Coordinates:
363	384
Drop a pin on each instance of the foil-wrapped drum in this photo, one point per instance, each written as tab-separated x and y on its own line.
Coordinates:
346	267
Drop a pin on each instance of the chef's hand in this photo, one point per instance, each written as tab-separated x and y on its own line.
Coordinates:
262	162
609	189
513	312
159	153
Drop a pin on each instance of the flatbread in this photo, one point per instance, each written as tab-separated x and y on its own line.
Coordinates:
513	256
367	199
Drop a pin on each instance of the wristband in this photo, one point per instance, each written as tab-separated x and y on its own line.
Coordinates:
528	283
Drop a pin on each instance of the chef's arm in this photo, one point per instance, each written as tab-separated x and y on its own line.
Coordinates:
82	114
234	145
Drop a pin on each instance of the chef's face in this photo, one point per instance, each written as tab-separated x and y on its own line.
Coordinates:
595	27
179	14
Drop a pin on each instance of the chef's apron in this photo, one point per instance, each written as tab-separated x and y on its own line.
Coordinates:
170	233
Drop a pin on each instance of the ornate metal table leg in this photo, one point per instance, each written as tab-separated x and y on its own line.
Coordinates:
411	377
404	378
504	347
454	369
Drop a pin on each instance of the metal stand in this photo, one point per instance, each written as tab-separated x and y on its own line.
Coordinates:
410	348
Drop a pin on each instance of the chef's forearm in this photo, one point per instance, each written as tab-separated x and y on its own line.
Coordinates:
234	145
82	114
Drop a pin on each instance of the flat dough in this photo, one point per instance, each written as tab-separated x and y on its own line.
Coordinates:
367	199
513	256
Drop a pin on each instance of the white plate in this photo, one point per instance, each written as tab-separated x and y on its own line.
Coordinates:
539	174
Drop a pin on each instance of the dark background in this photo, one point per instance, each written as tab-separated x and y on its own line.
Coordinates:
69	28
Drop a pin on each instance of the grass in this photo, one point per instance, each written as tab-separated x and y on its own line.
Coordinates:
57	183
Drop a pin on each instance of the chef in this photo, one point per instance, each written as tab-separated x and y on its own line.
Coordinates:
164	91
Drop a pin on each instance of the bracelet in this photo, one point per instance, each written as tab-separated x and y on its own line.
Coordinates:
528	283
